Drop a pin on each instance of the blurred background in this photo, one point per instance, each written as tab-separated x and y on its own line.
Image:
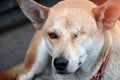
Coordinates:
16	33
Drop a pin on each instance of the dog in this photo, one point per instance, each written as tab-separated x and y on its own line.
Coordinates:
80	39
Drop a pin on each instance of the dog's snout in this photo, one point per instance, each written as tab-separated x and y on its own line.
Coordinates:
60	63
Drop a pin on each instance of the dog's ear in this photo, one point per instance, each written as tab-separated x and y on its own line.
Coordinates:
107	13
35	12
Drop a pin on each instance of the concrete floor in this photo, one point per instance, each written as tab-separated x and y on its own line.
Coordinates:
14	44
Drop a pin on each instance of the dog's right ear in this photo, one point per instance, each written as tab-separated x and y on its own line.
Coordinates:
35	12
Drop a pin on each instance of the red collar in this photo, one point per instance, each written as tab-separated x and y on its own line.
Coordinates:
101	71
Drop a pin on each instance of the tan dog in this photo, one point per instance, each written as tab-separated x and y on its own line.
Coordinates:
78	35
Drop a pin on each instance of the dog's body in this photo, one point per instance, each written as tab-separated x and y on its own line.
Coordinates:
77	35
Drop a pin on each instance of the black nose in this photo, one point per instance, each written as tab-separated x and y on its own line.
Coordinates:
60	63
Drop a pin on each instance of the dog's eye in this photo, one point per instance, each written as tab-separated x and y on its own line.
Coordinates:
53	35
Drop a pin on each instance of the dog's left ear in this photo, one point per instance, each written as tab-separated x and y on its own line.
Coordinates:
35	12
107	13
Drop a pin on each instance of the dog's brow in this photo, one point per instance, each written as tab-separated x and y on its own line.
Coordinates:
75	28
58	25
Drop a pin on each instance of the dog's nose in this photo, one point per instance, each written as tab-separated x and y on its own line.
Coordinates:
60	63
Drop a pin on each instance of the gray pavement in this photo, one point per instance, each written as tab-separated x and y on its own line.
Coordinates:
14	44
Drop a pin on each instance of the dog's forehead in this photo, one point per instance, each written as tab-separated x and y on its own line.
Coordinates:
76	4
72	21
72	10
64	26
71	16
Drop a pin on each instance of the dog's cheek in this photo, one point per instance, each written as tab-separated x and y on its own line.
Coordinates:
49	46
77	60
73	66
82	55
82	59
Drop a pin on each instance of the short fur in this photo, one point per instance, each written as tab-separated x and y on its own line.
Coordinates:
85	32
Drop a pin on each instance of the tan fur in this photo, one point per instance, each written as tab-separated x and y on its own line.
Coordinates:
32	50
12	73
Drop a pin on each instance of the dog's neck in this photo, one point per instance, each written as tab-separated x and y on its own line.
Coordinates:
96	63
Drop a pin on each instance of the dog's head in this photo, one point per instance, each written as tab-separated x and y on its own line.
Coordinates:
73	30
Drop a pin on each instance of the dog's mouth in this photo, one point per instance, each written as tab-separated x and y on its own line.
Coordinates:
63	72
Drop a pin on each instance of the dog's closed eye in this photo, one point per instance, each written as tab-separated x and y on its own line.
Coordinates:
74	35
